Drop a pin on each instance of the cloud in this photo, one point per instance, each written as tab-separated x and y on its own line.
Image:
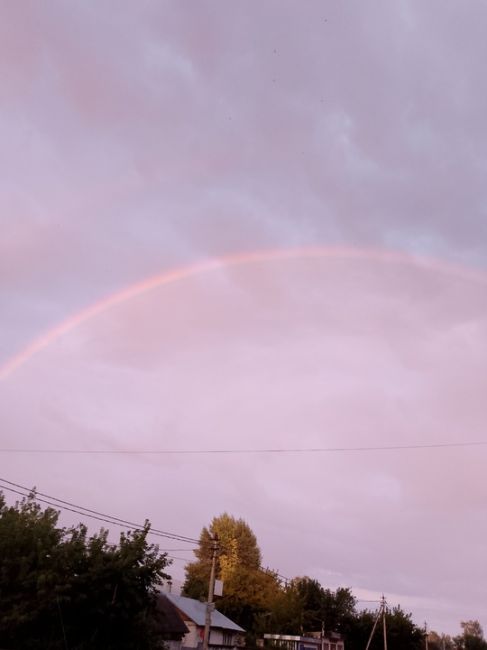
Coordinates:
153	136
307	353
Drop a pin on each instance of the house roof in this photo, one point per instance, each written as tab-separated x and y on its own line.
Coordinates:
169	621
196	612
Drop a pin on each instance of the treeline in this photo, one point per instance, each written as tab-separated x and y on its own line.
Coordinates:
261	601
62	588
471	638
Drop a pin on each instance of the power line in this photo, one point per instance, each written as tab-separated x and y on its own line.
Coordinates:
178	549
56	505
364	600
109	519
94	514
288	450
99	516
122	522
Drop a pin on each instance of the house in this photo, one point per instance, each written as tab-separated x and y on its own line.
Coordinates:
313	641
224	633
170	624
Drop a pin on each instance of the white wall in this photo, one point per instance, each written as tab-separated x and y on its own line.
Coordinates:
195	636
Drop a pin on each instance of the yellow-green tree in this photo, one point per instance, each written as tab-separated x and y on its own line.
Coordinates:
249	592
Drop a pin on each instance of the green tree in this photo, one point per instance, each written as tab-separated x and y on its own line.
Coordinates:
305	606
440	641
338	609
61	587
472	637
310	594
286	613
402	633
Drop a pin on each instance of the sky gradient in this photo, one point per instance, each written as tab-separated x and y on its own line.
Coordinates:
144	137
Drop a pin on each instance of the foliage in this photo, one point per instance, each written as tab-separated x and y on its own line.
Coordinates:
255	598
259	602
237	550
440	641
249	590
305	606
402	633
62	588
472	637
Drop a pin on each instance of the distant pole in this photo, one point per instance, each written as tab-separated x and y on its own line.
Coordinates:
211	590
425	636
384	621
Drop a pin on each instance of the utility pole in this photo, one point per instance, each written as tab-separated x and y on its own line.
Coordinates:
425	635
211	589
381	614
384	621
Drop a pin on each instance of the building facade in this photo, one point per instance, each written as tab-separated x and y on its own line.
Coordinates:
224	633
313	642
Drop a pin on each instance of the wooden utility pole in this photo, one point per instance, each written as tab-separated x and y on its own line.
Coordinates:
384	621
211	590
380	614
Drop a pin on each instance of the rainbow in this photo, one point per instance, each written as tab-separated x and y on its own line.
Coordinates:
232	260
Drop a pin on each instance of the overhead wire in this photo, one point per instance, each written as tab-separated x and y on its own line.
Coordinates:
270	450
108	521
24	491
177	549
94	514
55	502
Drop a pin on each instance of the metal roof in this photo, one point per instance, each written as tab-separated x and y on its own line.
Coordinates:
169	620
196	611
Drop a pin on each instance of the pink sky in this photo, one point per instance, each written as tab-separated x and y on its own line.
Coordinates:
143	136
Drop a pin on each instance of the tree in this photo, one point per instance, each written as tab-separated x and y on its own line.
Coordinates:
298	607
338	609
440	641
60	587
472	637
402	633
305	606
472	628
249	591
310	594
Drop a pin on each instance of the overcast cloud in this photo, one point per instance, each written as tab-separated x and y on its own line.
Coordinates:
142	136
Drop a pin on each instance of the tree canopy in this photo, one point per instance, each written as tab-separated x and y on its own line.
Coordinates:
248	589
60	587
402	632
472	637
261	602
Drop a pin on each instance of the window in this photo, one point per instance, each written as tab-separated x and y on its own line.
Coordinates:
227	638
